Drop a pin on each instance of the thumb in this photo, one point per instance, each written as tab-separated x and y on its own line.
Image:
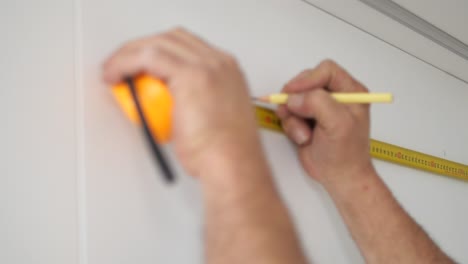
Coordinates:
317	104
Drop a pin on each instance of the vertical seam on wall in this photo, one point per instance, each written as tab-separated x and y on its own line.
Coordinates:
82	248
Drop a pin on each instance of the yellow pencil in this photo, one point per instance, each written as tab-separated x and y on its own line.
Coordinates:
346	98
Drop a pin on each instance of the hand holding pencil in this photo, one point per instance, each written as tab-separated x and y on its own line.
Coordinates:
336	151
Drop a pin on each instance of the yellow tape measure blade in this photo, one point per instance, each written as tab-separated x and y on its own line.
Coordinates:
266	118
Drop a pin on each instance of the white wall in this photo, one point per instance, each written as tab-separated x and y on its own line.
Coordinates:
382	27
38	222
131	217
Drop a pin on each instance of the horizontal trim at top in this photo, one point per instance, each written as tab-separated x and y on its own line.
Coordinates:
419	25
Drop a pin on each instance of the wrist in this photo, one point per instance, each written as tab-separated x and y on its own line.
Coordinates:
351	182
232	164
229	157
235	176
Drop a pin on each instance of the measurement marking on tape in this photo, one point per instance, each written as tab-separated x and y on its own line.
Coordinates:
267	118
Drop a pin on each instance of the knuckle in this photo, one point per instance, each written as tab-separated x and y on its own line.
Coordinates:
140	52
202	75
151	51
131	46
310	104
288	125
341	75
126	46
156	37
362	87
215	65
316	99
148	47
230	59
220	63
305	73
179	29
203	70
328	64
344	79
143	54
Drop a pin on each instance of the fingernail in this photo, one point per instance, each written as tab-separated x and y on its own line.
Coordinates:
295	100
300	136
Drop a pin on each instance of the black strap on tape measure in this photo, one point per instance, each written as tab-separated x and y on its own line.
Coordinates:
157	152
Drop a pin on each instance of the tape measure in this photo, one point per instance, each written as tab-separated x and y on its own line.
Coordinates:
267	118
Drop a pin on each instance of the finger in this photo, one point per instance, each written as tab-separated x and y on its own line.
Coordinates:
171	44
192	41
331	76
297	130
158	62
317	104
128	48
296	79
142	56
282	112
205	54
327	75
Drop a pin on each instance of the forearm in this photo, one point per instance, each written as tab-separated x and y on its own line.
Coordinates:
384	232
246	221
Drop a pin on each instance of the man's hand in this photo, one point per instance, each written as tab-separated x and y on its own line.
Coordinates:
336	153
208	88
216	138
337	149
